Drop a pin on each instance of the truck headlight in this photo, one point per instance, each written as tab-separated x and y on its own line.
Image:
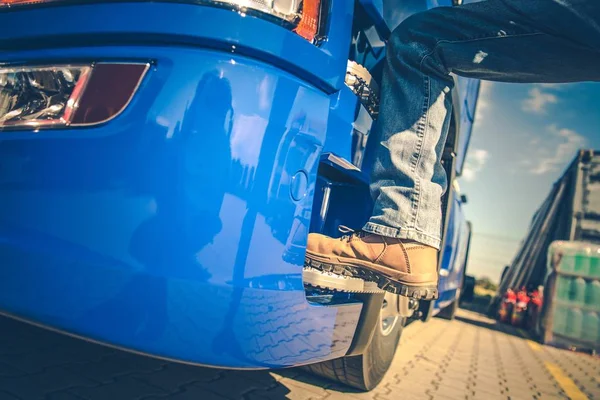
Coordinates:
33	97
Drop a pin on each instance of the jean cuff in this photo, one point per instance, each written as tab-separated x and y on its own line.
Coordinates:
400	233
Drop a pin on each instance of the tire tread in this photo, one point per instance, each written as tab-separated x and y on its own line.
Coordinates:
346	370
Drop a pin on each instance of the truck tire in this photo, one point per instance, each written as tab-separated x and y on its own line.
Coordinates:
449	312
364	371
468	290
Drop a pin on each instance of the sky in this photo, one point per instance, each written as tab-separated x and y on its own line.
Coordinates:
524	137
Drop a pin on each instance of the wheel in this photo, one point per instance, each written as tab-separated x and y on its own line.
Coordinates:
449	312
365	371
467	293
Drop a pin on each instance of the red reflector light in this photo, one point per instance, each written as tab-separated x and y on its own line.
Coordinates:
66	95
309	23
108	92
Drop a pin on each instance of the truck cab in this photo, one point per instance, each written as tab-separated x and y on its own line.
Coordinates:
162	163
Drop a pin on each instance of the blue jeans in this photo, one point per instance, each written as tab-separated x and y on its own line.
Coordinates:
528	41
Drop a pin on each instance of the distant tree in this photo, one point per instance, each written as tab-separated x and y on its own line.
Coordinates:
486	283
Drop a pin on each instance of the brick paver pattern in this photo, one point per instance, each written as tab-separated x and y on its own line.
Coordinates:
472	357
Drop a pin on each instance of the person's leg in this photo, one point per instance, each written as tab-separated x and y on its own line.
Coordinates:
486	40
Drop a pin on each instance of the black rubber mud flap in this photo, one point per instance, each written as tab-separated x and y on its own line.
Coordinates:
367	323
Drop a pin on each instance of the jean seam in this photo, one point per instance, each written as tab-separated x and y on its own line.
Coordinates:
421	127
421	140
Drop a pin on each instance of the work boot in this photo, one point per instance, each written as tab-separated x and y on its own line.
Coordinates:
399	266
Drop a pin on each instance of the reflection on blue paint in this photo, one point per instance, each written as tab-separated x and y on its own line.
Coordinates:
159	232
179	228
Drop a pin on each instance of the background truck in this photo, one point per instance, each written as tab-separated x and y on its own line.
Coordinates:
162	163
560	252
570	212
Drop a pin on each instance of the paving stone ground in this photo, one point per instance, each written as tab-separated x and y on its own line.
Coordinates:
471	357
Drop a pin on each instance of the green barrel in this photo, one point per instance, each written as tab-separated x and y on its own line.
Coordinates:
567	261
574	322
591	323
595	264
559	323
582	262
577	293
563	288
592	295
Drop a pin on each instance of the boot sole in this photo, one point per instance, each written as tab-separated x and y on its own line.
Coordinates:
424	291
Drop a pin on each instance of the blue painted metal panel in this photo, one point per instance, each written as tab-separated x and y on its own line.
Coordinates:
179	228
339	125
187	25
168	229
449	250
453	254
468	90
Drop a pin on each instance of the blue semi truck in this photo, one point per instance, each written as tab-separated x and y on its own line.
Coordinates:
162	163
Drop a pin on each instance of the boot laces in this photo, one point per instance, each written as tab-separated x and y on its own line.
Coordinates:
349	233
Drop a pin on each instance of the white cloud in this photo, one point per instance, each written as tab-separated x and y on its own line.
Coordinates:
538	101
475	162
555	152
484	100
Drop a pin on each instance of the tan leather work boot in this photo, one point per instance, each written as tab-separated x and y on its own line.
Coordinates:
399	266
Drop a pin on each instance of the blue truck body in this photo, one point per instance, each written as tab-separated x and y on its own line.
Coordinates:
178	228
